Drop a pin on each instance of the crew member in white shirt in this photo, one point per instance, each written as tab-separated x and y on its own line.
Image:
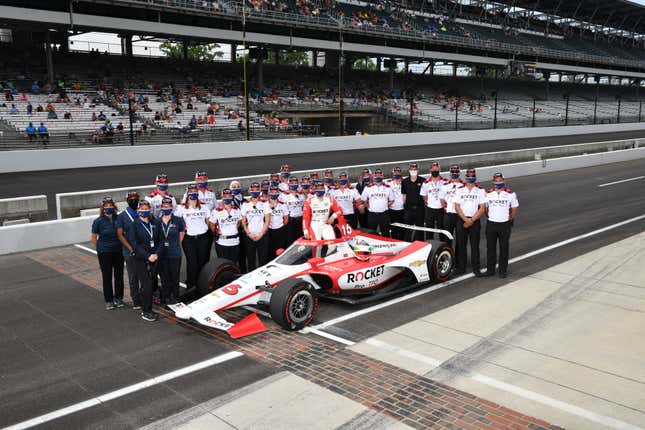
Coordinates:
470	204
225	221
256	215
396	206
377	198
294	200
348	198
431	193
277	223
501	204
447	196
206	198
196	245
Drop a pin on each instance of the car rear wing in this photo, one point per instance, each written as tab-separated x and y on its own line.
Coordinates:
418	228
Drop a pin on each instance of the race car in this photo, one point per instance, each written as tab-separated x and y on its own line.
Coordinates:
356	267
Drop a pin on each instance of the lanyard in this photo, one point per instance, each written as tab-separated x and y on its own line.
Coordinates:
149	231
129	215
166	230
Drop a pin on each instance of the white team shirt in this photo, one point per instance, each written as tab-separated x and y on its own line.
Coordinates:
195	219
377	197
499	203
397	197
448	193
226	222
207	197
155	202
254	215
469	200
346	198
278	212
294	202
432	190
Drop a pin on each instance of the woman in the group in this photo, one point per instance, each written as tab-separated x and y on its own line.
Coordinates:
173	231
278	233
146	239
196	243
108	248
256	215
225	221
238	200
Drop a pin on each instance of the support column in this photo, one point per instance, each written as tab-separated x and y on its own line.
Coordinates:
314	58
392	67
259	79
331	60
407	66
276	55
233	52
431	70
379	62
184	50
48	58
126	45
454	70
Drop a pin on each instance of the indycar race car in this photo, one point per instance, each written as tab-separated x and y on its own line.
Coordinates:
354	268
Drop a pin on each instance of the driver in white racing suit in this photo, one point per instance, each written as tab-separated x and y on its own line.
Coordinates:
320	211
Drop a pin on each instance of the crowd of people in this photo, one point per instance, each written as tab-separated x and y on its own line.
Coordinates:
153	232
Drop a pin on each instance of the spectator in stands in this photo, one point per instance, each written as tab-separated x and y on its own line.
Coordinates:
193	123
30	108
101	116
13	110
189	106
108	248
23	97
210	110
8	96
94	117
39	108
52	115
31	132
211	120
43	133
200	120
35	88
240	126
120	129
49	107
67	115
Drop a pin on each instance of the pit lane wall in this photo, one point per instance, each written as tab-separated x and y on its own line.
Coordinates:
27	237
72	204
23	209
75	158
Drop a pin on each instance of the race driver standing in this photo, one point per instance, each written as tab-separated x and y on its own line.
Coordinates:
320	211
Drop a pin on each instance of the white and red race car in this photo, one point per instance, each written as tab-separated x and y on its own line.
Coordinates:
292	283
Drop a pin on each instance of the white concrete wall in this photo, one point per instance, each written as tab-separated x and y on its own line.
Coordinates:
74	158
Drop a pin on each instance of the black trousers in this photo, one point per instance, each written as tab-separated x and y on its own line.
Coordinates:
413	216
242	252
471	234
146	272
229	252
352	220
196	250
379	221
294	229
362	219
111	263
257	253
209	235
133	280
169	274
396	216
497	232
434	219
277	239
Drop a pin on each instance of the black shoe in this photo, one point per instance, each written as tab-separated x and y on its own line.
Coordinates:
171	302
149	316
502	275
487	274
478	274
458	272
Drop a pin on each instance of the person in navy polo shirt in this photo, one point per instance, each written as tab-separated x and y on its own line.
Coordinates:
124	223
146	239
108	249
173	231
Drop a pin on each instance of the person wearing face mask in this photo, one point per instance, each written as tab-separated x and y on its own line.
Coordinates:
470	204
274	179
431	193
348	198
173	230
206	197
225	222
124	224
277	223
448	193
501	205
319	214
264	190
294	200
396	207
196	242
364	181
328	180
378	198
160	191
238	200
108	249
146	239
285	174
236	190
256	216
413	205
305	187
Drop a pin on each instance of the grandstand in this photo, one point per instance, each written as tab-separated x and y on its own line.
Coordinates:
528	64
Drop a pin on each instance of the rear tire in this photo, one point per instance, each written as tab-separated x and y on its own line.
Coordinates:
215	274
440	261
293	304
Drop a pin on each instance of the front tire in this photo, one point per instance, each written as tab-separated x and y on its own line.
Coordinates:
293	304
440	261
215	274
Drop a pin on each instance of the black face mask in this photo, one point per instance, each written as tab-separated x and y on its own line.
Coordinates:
434	174
133	204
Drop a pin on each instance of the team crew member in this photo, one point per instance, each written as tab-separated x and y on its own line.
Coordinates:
274	179
256	215
431	193
206	198
108	249
195	244
238	197
264	187
328	180
396	207
285	174
319	214
364	181
294	200
470	204
225	222
161	191
348	199
278	232
377	198
413	204
238	200
124	224
448	193
146	238
173	231
502	207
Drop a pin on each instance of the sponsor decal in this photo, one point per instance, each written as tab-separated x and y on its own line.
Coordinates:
216	323
417	263
365	276
231	289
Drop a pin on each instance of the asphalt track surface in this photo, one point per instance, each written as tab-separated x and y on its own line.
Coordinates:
60	181
59	348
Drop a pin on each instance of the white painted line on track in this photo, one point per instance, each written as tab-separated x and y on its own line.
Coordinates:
620	182
328	336
125	391
431	288
85	248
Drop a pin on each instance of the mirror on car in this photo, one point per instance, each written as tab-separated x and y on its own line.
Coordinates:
316	261
279	251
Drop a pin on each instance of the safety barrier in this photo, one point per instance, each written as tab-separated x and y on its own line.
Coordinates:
71	204
32	208
53	159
